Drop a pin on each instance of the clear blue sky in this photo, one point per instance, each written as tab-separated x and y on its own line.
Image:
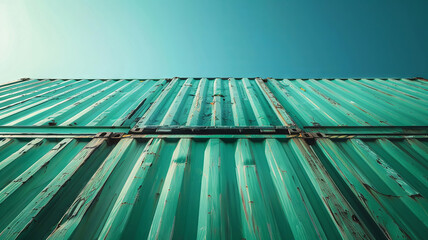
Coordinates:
153	39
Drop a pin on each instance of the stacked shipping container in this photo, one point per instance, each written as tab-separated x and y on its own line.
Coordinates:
214	158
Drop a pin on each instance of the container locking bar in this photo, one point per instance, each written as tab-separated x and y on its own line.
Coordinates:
214	130
310	137
109	135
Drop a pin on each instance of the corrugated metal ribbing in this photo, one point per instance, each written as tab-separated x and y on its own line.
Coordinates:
331	167
213	188
388	178
76	102
40	179
215	102
351	102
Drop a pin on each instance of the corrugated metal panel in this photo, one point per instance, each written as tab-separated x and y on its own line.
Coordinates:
210	188
84	102
351	102
184	102
387	178
226	184
216	102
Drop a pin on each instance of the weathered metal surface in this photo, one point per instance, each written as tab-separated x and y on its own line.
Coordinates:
385	177
352	102
211	136
60	129
215	102
374	130
378	106
62	102
209	188
214	158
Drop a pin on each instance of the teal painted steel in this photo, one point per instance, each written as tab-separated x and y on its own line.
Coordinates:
63	102
361	130
378	106
358	170
352	102
210	188
384	179
364	106
61	129
215	102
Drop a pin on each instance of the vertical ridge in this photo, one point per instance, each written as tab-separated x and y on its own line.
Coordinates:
257	219
197	109
28	214
124	204
209	221
163	223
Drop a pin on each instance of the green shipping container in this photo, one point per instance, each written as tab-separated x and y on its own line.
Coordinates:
214	158
382	106
205	187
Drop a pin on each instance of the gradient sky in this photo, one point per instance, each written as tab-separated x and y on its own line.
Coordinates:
154	39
